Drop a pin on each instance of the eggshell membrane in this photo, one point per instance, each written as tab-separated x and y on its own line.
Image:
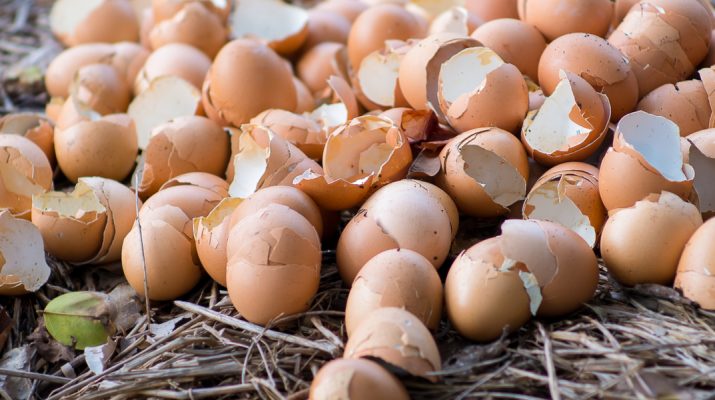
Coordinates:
288	196
315	66
398	338
81	21
99	87
515	41
480	299
35	127
377	24
356	379
164	9
634	255
299	130
274	250
23	267
174	59
24	172
407	220
193	25
685	103
211	236
326	26
587	16
281	26
478	155
349	9
396	278
201	179
182	145
695	271
598	62
171	267
626	174
106	147
258	73
489	10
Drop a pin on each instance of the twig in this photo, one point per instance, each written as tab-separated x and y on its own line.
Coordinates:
548	360
33	375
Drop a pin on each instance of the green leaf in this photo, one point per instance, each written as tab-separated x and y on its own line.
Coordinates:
80	319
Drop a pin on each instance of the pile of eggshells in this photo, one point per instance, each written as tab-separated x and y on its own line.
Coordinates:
208	136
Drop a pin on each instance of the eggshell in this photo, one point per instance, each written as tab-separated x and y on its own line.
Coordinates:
701	156
587	16
455	19
211	236
376	80
484	171
165	9
339	107
398	338
182	145
305	102
349	9
635	255
598	62
417	125
355	379
24	172
395	278
35	127
258	73
326	26
274	250
201	179
317	64
489	10
194	25
93	21
23	267
100	88
299	130
685	103
175	59
282	26
695	271
193	201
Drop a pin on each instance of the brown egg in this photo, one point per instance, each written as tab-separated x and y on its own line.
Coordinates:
99	21
164	249
211	236
635	255
349	9
317	65
182	145
645	158
516	42
413	220
695	268
201	179
23	267
395	278
24	172
281	26
568	195
193	201
377	24
570	125
484	171
481	299
664	40
34	127
194	25
685	103
398	338
297	129
258	73
356	379
326	26
272	251
175	59
100	88
555	18
595	60
489	10
106	147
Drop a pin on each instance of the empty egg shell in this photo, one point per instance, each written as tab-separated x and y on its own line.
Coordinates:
100	88
23	267
34	127
316	65
695	273
484	171
194	25
556	18
635	255
24	172
283	27
356	379
301	131
325	26
685	103
398	338
211	236
645	158
375	81
274	250
175	59
489	10
341	106
395	278
80	21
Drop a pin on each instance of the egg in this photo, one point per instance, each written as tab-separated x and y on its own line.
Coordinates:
35	127
164	251
106	147
325	26
657	54
377	24
274	250
316	65
634	255
356	379
76	22
398	338
349	9
297	129
211	237
100	88
598	62
283	27
685	103
396	278
182	145
405	220
175	59
194	25
23	267
24	172
586	16
489	10
484	170
258	73
515	41
694	275
645	158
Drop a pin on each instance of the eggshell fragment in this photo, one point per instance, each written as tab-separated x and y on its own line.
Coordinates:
645	158
356	379
24	172
341	106
417	125
685	103
398	338
100	88
555	18
23	267
92	21
194	25
455	19
376	80
301	131
182	145
635	255
281	26
695	274
701	156
35	127
175	59
211	236
274	250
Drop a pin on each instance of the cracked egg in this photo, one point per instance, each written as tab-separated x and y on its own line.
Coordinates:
24	172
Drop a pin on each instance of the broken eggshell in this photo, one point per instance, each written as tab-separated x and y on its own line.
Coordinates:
376	80
100	88
700	154
201	179
556	18
194	25
301	131
35	127
695	275
283	27
24	172
80	21
211	236
685	103
345	378
175	59
23	267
